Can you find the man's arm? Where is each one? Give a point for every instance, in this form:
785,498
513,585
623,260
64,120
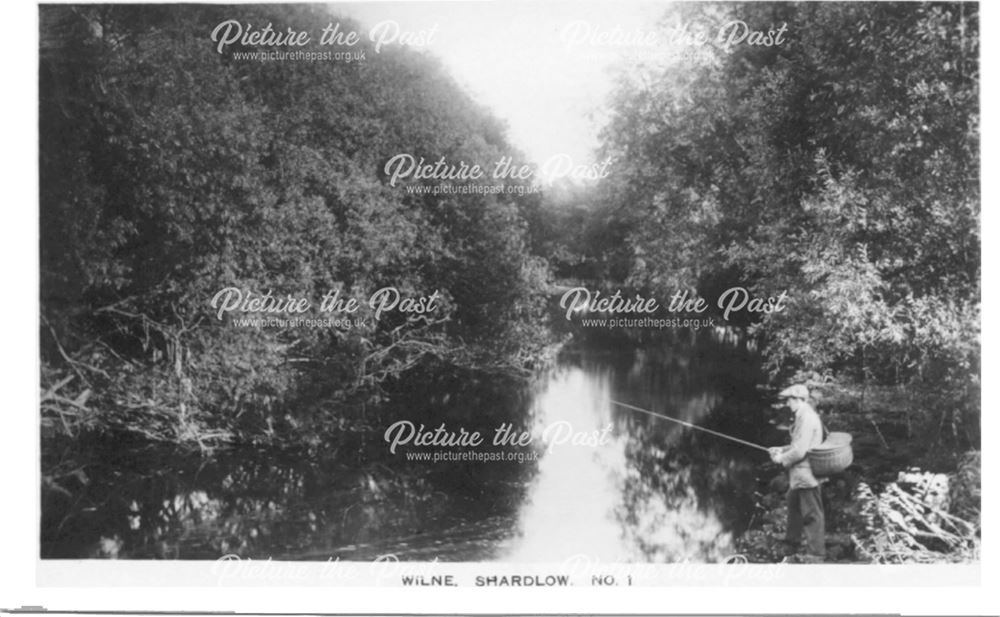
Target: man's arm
801,438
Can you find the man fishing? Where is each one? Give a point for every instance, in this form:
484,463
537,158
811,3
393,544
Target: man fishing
805,502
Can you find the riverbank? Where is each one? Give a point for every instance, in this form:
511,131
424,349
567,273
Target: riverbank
912,494
652,493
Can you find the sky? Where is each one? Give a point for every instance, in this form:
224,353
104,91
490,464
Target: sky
531,63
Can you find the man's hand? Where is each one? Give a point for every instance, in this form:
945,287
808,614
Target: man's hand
775,453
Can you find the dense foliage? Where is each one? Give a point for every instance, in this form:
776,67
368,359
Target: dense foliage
170,171
840,166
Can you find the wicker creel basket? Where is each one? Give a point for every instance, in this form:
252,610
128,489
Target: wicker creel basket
832,456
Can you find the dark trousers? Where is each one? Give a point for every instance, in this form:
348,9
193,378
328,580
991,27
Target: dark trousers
805,512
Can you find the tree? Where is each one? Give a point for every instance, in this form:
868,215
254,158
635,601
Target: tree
841,167
170,171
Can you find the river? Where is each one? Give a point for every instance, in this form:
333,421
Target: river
643,490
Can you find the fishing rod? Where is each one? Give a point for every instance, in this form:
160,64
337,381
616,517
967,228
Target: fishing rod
688,424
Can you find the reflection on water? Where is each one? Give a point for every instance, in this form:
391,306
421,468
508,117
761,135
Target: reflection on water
654,491
573,499
649,491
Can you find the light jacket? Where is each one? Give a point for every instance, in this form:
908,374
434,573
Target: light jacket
807,433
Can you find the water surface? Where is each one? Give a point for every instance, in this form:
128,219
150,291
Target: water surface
651,491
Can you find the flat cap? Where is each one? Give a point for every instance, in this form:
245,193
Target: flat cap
796,391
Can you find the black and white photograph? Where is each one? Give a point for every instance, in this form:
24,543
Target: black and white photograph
509,294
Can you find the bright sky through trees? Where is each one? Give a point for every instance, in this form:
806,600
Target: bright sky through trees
533,68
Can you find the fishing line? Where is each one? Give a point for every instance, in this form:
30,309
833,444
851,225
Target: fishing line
688,424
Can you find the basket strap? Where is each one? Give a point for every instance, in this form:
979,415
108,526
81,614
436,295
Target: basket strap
826,433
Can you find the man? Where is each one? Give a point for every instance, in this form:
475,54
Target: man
805,503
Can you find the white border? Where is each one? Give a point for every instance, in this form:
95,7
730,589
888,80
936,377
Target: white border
19,448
